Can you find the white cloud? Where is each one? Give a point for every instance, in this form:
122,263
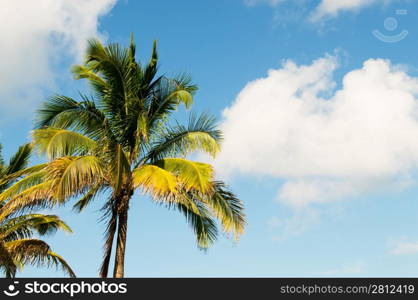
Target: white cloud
33,35
405,247
331,8
325,8
324,144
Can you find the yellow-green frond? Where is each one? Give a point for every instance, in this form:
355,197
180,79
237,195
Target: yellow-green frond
19,186
191,175
40,195
75,174
183,96
83,72
60,142
14,176
202,141
155,180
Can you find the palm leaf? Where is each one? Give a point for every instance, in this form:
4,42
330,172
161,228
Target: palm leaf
23,226
155,180
37,196
201,222
7,264
6,180
226,207
37,253
89,197
19,160
60,142
201,134
26,182
66,113
55,259
72,175
192,175
169,94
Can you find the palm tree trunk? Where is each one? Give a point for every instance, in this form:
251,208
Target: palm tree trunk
119,268
123,207
110,235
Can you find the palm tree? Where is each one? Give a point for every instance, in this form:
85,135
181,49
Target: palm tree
17,245
122,139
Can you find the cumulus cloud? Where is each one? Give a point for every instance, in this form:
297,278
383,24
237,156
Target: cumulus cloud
325,143
33,35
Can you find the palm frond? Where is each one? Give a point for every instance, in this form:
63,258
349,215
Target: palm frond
37,196
83,72
7,264
8,179
112,63
72,175
89,196
226,207
61,142
66,113
37,253
201,134
201,222
19,160
21,185
51,110
23,226
192,175
155,180
167,97
152,67
59,262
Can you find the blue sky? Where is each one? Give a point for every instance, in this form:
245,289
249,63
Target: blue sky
329,183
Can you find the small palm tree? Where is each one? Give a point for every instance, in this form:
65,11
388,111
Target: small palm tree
121,140
17,245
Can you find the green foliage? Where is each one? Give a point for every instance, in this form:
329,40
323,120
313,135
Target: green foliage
120,139
17,245
56,143
192,175
200,134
